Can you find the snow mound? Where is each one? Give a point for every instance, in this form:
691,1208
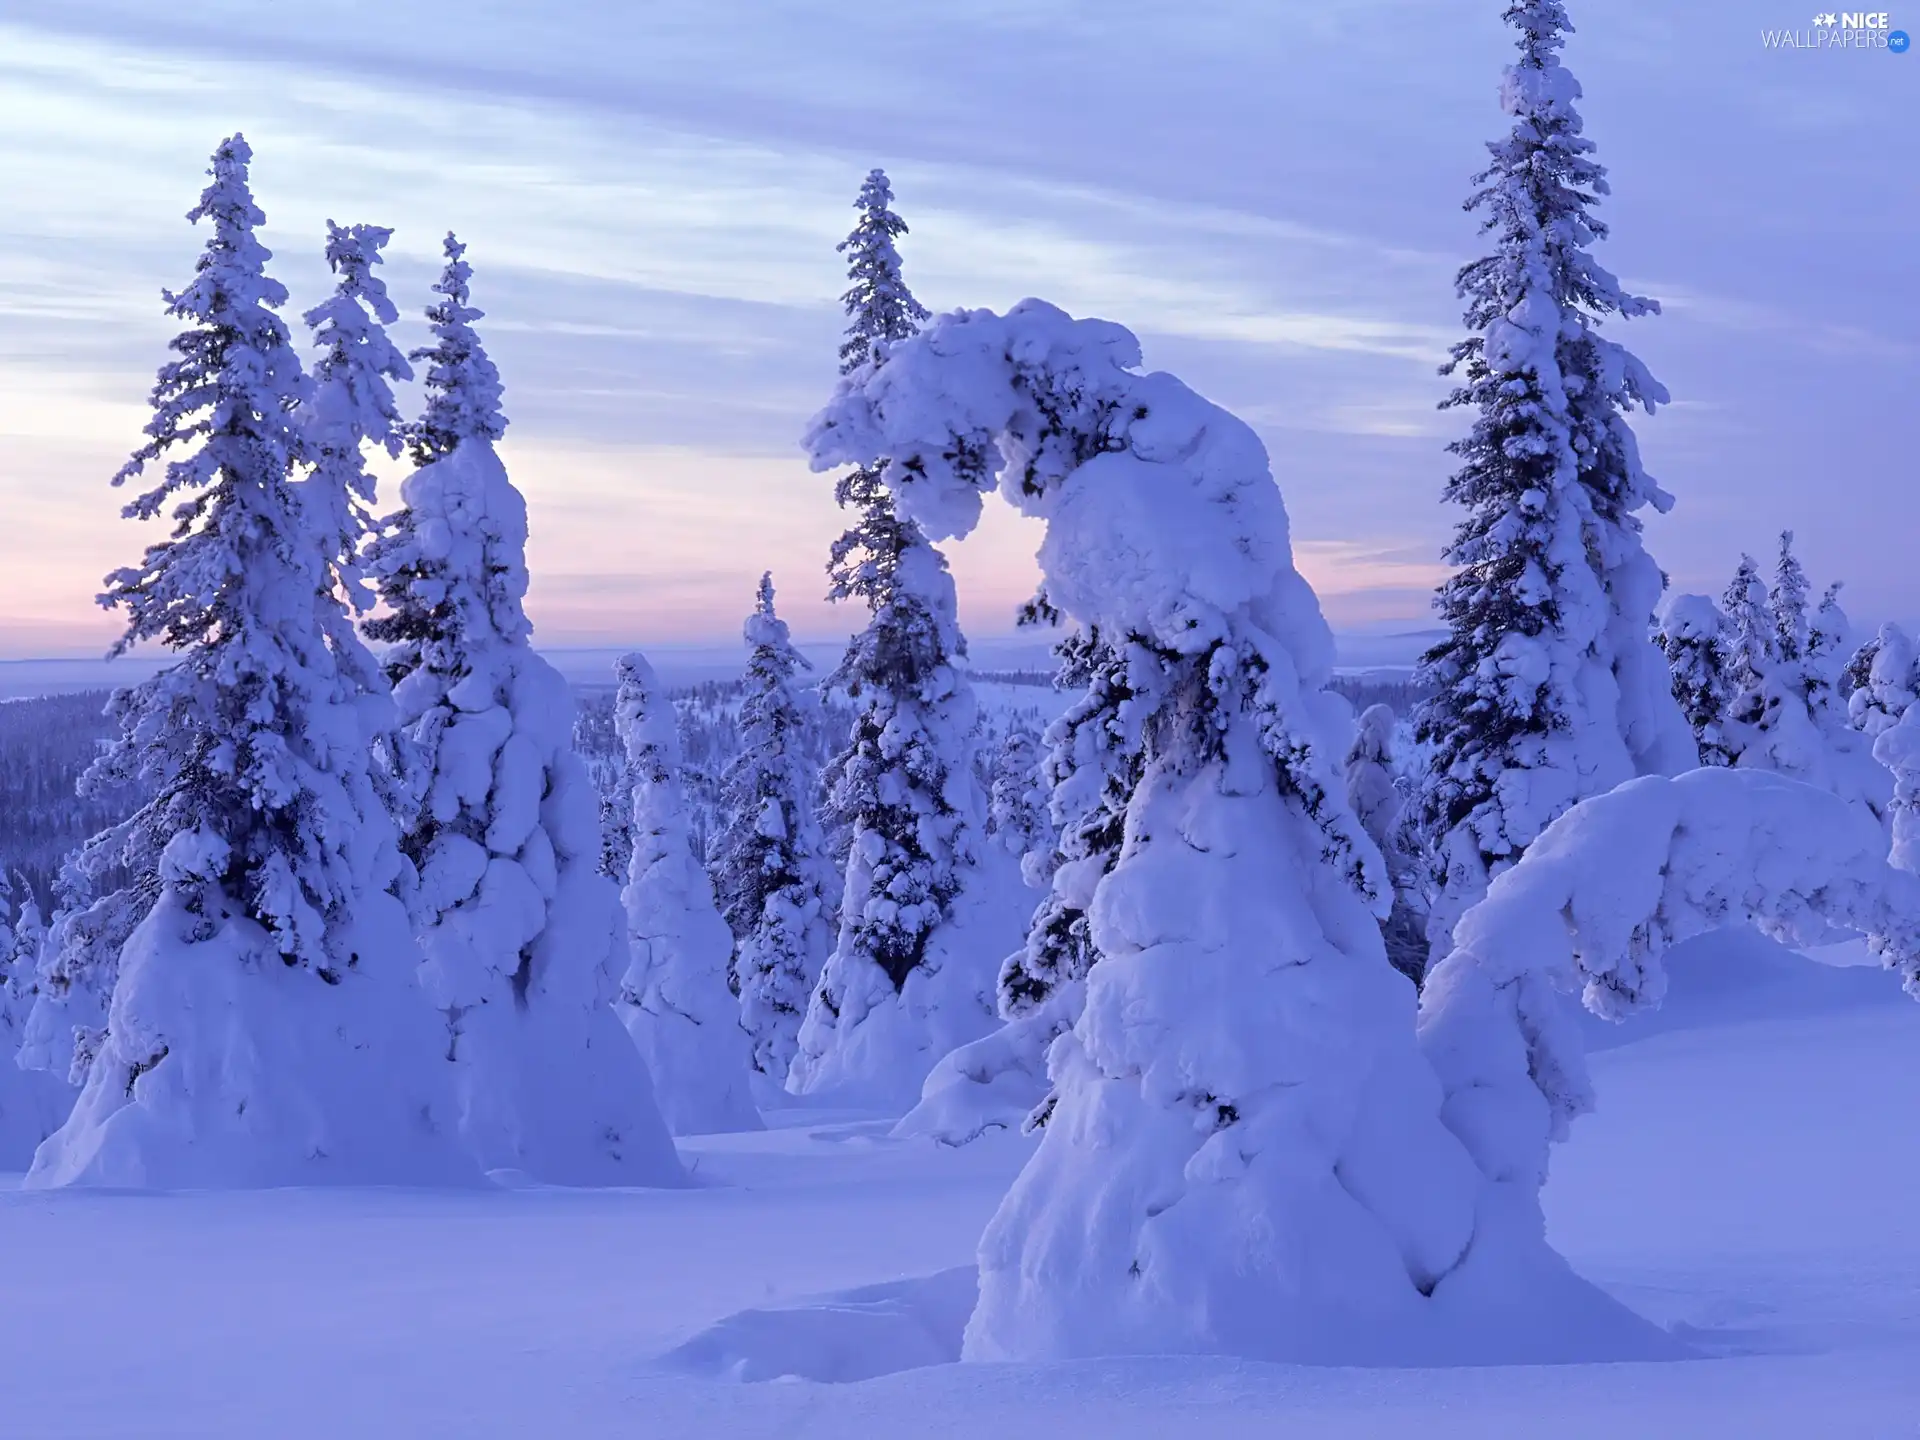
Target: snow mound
994,1083
840,1338
217,1070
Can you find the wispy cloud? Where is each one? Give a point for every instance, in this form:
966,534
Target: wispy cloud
653,193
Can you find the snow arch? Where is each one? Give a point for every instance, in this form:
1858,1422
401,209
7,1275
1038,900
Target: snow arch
1593,906
1247,1155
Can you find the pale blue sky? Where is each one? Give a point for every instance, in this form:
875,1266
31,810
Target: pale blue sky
1267,192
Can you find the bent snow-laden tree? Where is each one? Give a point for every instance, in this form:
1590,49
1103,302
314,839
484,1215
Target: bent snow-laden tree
522,934
265,1026
1592,908
767,857
1245,1153
1547,688
674,997
910,974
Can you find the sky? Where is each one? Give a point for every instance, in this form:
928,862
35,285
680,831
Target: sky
1268,193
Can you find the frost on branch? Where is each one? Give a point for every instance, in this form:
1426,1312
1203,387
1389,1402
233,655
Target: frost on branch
1246,1154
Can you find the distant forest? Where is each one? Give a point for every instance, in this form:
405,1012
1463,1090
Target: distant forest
45,744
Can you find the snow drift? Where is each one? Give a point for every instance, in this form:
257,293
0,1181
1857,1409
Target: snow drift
214,1072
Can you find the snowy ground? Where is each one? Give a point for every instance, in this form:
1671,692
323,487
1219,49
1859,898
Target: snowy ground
1750,1181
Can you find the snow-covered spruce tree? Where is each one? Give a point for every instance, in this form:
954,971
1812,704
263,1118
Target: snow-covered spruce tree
1898,749
522,935
29,935
1751,645
16,980
1095,753
902,986
463,385
1883,680
1784,714
32,1103
67,1022
353,404
1828,634
766,852
675,999
1092,764
598,744
1017,801
265,1027
1857,777
1246,1155
23,932
1547,687
1692,635
1374,792
1371,791
1810,641
353,407
1787,600
881,308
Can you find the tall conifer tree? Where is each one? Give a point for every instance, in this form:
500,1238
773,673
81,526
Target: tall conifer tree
274,962
767,855
524,940
1547,688
904,789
